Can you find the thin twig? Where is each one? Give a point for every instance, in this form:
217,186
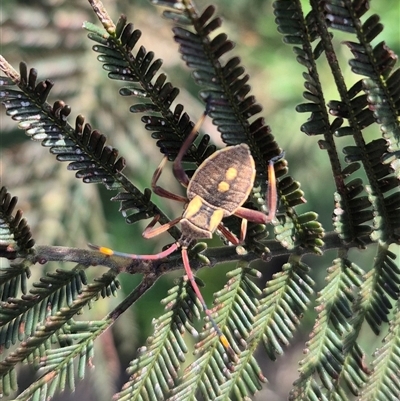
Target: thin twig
103,16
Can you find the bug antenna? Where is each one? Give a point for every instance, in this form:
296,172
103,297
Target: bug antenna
222,338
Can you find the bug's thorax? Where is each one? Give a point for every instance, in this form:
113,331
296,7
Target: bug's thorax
200,219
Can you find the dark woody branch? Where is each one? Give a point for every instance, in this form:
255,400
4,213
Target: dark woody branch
216,255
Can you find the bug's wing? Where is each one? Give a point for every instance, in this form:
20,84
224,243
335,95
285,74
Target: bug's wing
225,179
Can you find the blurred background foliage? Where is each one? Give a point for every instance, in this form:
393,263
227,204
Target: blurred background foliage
48,35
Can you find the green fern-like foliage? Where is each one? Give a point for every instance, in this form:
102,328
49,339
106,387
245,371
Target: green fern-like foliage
40,326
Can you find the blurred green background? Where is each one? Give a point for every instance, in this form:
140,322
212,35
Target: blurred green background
61,210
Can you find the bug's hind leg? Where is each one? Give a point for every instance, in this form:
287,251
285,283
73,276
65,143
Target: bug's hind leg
109,252
149,232
222,338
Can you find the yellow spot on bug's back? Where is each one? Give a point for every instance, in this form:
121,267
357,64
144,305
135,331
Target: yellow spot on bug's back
223,186
193,207
216,218
231,173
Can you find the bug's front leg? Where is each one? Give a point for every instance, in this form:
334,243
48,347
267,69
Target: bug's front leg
177,168
161,191
151,232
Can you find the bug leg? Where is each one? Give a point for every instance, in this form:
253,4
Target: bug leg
232,237
243,231
177,168
228,235
109,252
149,232
256,216
161,191
222,338
272,200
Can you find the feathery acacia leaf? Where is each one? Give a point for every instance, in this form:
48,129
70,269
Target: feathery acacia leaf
366,211
234,308
379,104
380,284
290,14
56,366
225,88
54,291
385,366
170,128
386,110
84,148
373,306
15,235
156,369
283,302
14,230
325,353
43,335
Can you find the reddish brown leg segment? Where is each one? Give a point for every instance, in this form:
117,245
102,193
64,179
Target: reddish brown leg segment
157,256
243,231
256,216
228,235
221,336
151,232
177,168
161,191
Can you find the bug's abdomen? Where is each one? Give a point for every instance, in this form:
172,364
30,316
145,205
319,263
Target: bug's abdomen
225,179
